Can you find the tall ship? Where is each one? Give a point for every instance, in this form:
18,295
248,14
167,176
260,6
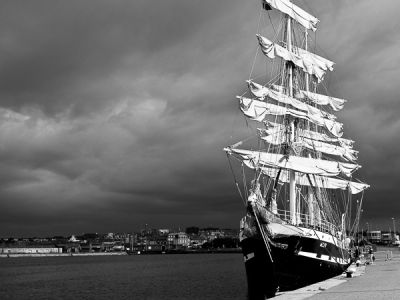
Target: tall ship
295,171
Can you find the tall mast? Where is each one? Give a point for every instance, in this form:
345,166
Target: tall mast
313,209
306,48
310,192
292,174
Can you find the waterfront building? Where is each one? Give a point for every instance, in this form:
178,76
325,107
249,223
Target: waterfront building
178,239
375,236
387,238
30,250
70,247
196,241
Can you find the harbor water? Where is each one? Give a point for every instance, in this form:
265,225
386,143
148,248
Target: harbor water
174,276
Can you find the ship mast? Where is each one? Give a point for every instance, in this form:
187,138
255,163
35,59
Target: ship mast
292,174
310,192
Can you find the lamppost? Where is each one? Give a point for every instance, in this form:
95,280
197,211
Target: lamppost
358,227
394,230
367,231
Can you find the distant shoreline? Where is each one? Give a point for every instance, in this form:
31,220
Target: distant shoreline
150,252
188,251
208,251
14,255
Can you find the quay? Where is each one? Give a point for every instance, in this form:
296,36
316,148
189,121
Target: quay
379,280
16,255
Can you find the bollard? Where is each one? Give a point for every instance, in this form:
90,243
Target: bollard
350,271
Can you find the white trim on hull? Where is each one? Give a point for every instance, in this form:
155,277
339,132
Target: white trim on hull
311,255
326,258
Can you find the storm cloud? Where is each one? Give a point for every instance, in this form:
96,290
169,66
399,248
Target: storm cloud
114,114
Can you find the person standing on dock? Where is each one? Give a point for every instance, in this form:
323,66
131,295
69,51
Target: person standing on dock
356,253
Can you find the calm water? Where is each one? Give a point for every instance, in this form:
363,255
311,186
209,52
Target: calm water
180,276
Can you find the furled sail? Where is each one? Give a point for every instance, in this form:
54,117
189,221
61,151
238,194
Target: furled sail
295,12
258,111
261,92
324,63
278,138
308,63
335,103
317,136
327,148
319,181
305,165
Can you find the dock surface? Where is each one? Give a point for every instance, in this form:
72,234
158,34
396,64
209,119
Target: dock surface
380,280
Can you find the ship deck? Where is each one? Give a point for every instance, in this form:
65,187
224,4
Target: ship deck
379,280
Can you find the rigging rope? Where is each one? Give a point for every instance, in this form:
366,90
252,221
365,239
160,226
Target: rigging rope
264,236
234,178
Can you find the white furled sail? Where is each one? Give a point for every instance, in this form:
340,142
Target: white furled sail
307,63
261,92
317,136
258,111
295,12
320,181
341,151
336,103
322,62
305,165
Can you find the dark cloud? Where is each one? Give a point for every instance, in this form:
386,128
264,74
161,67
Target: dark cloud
60,55
114,115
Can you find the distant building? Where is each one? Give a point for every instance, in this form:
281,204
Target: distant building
396,240
73,239
118,248
375,236
178,239
107,246
386,238
69,247
196,241
214,234
30,250
90,247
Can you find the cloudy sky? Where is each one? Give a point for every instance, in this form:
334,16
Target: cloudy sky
113,114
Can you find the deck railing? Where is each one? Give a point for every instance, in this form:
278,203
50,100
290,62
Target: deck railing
306,220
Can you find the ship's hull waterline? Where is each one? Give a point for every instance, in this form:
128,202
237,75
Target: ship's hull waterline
296,262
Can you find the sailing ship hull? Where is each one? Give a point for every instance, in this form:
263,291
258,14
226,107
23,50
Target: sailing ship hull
296,261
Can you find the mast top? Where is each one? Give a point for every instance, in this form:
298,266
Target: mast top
296,13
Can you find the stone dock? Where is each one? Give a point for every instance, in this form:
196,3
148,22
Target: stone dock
379,280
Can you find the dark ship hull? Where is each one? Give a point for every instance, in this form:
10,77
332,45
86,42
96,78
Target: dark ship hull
291,262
